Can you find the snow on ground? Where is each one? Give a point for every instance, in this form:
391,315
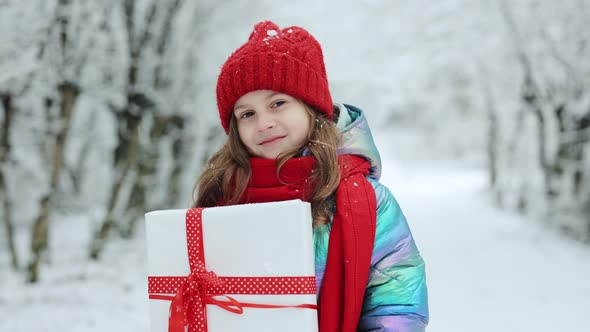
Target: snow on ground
76,294
488,270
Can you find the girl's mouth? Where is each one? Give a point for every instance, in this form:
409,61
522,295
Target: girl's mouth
272,140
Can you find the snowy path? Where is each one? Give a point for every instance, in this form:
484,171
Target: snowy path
488,270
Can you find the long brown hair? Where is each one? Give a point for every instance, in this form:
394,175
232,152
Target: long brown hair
226,175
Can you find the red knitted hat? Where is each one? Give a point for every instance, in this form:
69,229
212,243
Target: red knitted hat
288,61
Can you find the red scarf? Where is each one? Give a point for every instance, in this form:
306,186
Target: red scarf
351,236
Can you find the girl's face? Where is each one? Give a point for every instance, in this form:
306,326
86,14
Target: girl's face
270,123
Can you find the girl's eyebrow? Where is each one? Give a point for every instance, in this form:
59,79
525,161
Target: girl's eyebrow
267,98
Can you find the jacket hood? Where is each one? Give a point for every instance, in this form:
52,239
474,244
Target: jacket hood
357,138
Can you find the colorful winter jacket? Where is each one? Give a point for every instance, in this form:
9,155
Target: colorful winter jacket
396,296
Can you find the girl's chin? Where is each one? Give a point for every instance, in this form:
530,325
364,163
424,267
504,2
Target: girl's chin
269,154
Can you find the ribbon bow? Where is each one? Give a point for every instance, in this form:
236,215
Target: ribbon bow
198,290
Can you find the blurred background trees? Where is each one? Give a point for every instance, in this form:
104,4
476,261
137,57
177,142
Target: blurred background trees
108,109
96,98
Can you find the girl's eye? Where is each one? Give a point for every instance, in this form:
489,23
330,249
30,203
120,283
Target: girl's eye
246,114
278,103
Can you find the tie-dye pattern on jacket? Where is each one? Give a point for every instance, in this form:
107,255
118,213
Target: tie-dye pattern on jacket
396,297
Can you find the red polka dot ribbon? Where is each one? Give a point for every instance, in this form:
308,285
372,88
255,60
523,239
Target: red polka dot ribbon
191,294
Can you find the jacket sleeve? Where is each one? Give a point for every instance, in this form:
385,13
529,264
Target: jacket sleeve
396,297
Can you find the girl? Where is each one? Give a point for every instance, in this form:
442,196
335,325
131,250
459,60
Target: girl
286,140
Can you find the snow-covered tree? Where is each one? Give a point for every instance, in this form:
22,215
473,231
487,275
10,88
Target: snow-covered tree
545,158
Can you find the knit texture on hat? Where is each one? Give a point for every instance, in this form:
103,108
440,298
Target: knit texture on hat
289,61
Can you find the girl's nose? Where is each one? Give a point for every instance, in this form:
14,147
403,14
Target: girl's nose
264,122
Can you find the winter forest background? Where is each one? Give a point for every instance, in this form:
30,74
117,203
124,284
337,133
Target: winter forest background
481,110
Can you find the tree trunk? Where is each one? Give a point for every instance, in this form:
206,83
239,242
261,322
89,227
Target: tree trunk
40,232
492,142
129,119
145,162
136,202
530,96
5,201
180,161
581,174
125,165
147,167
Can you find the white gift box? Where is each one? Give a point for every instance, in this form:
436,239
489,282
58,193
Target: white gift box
250,240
